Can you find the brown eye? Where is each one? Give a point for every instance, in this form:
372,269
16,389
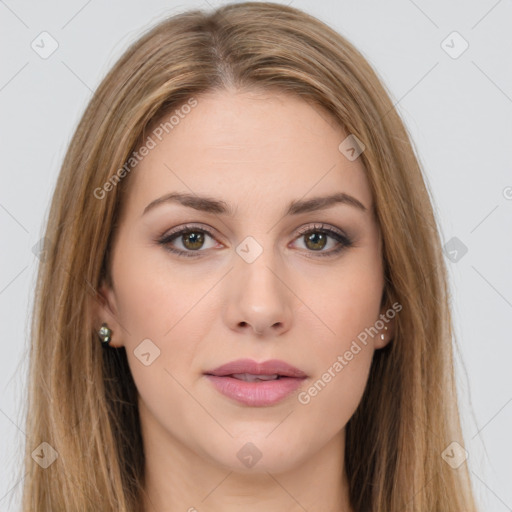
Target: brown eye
316,241
317,237
193,240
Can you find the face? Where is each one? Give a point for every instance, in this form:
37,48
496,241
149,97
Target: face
255,271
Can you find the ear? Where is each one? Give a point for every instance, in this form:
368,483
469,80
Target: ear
388,318
104,310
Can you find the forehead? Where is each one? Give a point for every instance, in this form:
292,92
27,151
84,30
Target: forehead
252,149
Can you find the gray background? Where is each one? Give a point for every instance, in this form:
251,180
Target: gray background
458,111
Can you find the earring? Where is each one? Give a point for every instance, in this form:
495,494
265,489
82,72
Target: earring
382,334
105,335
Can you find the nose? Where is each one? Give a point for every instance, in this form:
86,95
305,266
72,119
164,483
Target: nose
258,298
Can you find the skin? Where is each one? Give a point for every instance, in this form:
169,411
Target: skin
257,151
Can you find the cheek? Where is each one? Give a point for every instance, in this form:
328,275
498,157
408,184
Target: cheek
346,302
342,358
348,308
155,298
157,308
332,396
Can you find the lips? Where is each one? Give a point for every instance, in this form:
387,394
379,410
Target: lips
270,368
256,384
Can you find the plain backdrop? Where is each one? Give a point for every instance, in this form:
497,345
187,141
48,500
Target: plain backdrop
447,66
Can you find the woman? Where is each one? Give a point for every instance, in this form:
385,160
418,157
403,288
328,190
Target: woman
244,300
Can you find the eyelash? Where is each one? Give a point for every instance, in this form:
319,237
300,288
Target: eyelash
343,240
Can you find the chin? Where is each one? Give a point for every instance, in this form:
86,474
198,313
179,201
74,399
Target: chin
257,454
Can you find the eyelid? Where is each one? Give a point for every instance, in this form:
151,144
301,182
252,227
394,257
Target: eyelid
321,226
300,231
188,227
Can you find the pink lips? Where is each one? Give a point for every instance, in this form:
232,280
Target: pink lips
239,380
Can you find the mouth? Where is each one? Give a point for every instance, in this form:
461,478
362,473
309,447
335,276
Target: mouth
256,384
250,377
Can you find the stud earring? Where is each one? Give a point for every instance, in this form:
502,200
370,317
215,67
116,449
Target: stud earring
382,334
105,335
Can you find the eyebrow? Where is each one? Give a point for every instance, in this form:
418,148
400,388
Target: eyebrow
216,206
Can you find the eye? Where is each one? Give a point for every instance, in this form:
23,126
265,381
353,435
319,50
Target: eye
191,238
316,238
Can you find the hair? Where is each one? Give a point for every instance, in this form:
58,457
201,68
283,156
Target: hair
81,398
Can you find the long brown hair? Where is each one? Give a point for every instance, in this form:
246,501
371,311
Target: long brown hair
82,399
